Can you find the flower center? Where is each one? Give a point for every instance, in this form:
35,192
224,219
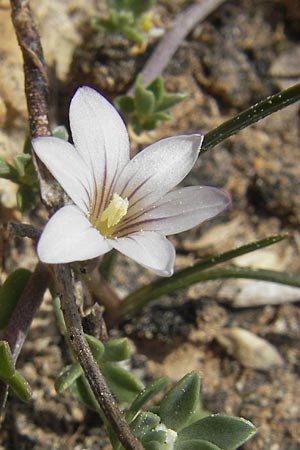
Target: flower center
112,215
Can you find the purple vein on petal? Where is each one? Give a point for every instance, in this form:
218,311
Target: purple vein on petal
99,202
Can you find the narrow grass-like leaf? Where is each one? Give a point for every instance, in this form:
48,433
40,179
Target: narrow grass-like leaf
108,263
251,115
10,293
186,277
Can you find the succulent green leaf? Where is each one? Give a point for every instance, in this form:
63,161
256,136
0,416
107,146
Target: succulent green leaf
123,384
195,444
61,132
10,293
143,397
7,367
125,104
116,350
8,172
149,124
26,198
144,100
158,436
132,34
157,87
136,125
21,162
144,424
139,7
181,402
226,432
169,100
96,346
82,392
20,386
152,445
67,377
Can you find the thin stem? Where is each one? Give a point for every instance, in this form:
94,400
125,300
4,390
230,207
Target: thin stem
87,362
184,24
19,323
103,293
22,230
36,90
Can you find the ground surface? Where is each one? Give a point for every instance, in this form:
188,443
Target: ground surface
244,52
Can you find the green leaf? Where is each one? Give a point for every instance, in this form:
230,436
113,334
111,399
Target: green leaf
8,172
144,423
226,432
61,132
26,198
136,125
158,436
82,392
116,350
20,386
125,104
123,384
143,397
157,87
7,366
67,377
191,275
144,100
153,445
139,7
96,346
21,162
195,444
251,115
10,293
181,402
107,264
169,100
132,34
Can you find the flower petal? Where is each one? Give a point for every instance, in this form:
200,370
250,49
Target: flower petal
180,210
67,167
157,169
101,138
69,236
151,250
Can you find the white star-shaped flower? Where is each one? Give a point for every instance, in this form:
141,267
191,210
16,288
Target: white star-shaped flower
120,203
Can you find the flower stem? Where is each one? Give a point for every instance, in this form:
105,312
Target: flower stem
91,369
36,89
19,323
184,24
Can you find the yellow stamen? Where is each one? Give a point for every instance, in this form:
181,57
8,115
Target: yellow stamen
112,215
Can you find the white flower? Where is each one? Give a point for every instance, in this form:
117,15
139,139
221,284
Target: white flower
120,203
